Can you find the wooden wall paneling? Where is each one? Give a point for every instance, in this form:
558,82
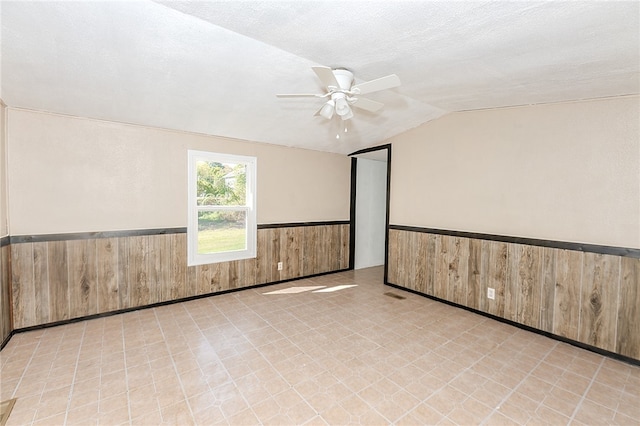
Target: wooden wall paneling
124,281
345,236
263,257
159,262
291,252
458,258
41,283
392,260
178,268
236,272
311,249
548,287
441,280
407,255
599,300
628,321
475,285
191,288
404,258
83,294
139,270
22,288
249,276
566,312
58,280
511,285
329,257
529,285
107,280
323,249
430,264
419,261
497,274
203,278
6,308
219,276
275,235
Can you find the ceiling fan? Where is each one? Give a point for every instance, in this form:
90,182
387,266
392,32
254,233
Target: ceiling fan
343,94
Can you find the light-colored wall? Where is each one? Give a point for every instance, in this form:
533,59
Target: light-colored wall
72,174
565,172
4,229
371,212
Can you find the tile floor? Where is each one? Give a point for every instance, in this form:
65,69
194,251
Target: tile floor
352,356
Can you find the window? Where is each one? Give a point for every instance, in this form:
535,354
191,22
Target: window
222,207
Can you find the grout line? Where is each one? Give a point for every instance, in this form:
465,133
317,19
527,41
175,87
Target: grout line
124,356
75,372
586,391
497,409
173,363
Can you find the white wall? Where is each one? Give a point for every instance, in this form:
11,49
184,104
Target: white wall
565,172
69,174
371,197
4,229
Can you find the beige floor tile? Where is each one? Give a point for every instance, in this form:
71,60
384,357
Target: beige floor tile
353,356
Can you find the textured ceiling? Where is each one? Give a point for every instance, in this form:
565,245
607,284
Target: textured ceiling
214,67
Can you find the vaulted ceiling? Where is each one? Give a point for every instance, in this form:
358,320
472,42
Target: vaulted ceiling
214,67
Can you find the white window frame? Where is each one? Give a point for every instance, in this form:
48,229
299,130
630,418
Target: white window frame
193,257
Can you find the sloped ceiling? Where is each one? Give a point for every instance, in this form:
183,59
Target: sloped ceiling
214,67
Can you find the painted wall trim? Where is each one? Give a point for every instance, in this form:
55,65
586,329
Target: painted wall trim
18,239
565,245
352,213
524,327
155,305
297,224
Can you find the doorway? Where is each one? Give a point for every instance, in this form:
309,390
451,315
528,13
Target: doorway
370,183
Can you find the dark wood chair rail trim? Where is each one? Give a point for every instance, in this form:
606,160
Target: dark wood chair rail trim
590,248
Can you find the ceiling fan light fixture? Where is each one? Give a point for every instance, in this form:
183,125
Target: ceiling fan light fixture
343,109
327,109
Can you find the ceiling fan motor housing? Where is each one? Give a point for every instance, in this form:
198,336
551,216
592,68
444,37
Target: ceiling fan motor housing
344,78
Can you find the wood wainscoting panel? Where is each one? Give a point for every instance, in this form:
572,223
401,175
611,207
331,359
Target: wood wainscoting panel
582,295
22,287
476,286
313,237
441,280
566,316
419,265
124,285
600,288
548,289
497,270
107,260
41,282
528,285
345,231
82,265
159,278
6,314
394,257
58,281
178,266
458,267
628,330
203,278
263,256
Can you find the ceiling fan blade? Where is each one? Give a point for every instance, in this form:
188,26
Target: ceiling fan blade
368,105
325,74
381,83
300,95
